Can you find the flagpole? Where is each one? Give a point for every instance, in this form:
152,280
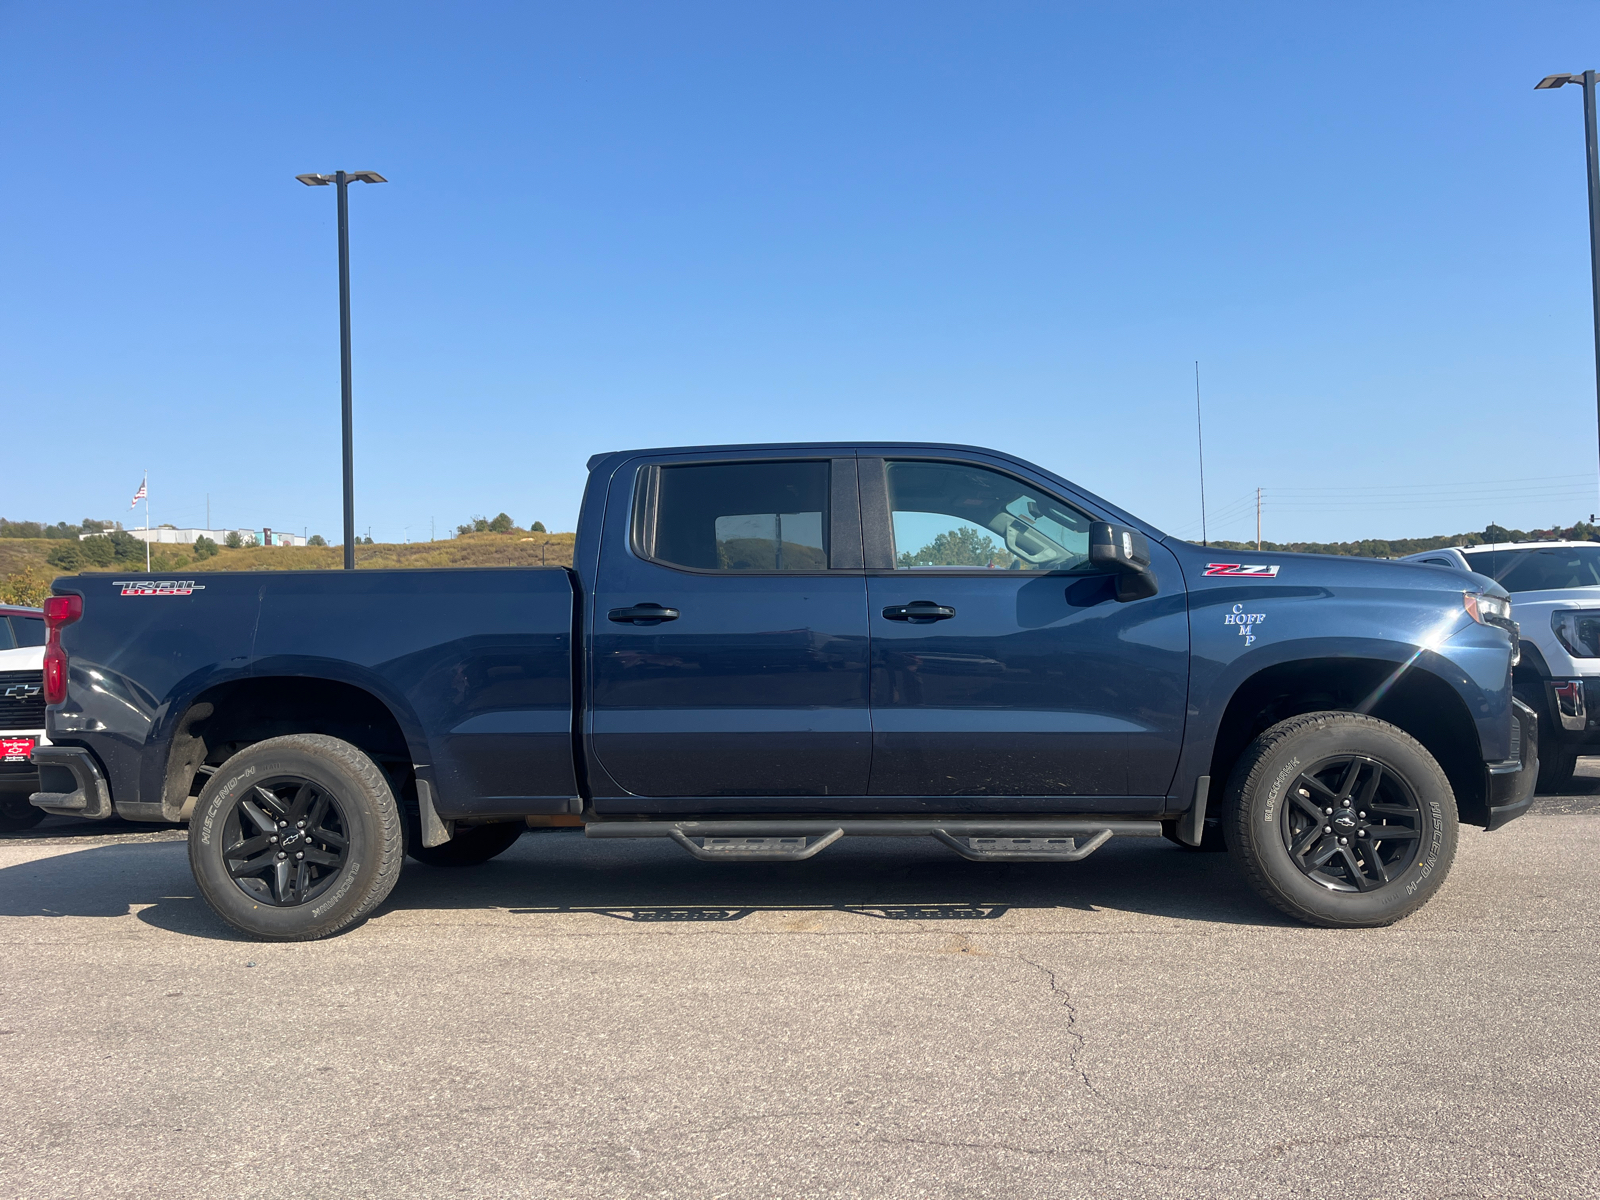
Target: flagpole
147,522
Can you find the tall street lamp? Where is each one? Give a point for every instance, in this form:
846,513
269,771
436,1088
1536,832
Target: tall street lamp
342,181
1586,81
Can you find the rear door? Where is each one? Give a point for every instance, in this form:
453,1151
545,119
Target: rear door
729,645
1004,675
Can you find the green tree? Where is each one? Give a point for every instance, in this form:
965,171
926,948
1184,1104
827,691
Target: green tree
98,551
538,527
205,548
501,524
963,547
233,541
316,539
68,556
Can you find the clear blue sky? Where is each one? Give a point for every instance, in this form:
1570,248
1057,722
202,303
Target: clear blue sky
614,225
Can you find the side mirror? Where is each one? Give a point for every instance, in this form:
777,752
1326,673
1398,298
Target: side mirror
1123,552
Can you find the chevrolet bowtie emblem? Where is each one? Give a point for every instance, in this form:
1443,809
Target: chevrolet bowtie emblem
21,691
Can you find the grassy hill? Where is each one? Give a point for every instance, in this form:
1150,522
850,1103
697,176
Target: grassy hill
25,572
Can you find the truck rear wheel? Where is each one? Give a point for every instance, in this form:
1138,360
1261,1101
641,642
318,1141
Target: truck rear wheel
295,838
469,847
1341,820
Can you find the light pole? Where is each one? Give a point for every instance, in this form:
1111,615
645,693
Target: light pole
342,181
1586,81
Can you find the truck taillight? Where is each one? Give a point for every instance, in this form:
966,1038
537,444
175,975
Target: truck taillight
58,611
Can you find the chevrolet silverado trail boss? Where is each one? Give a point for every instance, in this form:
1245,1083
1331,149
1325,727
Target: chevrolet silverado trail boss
762,649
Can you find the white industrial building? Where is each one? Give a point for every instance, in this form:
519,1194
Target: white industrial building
168,536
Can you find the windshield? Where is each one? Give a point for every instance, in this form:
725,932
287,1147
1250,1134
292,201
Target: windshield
1540,570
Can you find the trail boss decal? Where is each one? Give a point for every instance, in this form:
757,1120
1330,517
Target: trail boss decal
1246,622
163,587
1243,569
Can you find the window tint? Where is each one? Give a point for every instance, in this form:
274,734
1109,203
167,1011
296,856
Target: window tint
7,641
1540,570
770,516
28,631
950,515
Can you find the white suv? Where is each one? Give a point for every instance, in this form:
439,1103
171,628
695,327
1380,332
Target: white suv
21,713
1555,598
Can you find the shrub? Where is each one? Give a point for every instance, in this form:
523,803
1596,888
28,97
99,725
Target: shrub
205,548
538,527
316,539
26,587
501,524
233,541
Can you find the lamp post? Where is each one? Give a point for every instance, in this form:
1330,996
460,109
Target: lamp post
342,181
1586,80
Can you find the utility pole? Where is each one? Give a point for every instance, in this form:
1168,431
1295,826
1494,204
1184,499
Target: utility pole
1587,80
341,181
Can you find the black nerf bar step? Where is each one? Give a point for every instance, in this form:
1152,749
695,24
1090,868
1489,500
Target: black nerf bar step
790,841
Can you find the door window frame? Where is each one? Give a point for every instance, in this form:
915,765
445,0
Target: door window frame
844,514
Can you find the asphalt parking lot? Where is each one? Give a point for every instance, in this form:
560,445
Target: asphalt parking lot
618,1020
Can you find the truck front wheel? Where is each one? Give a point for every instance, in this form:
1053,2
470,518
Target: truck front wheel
295,838
1341,820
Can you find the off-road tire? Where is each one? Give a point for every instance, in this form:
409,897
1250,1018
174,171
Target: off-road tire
370,821
1255,820
1556,768
470,847
16,814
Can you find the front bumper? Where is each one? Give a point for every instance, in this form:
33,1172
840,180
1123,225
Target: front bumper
1511,782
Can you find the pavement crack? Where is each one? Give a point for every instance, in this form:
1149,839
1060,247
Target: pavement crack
1077,1041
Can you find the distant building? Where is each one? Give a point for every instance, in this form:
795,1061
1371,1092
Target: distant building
168,536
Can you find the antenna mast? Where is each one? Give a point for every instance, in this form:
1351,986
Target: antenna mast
1200,438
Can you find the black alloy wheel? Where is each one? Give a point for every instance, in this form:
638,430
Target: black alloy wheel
285,841
1352,826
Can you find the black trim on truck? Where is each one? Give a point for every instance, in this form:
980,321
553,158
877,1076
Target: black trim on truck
1511,782
71,783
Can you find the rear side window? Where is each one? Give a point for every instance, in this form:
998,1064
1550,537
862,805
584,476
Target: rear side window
28,631
763,516
7,640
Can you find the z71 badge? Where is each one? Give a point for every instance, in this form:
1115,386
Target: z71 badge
162,587
1243,569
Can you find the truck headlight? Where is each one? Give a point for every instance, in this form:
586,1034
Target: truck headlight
1578,629
1487,610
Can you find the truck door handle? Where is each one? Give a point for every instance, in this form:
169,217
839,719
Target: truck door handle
642,614
919,612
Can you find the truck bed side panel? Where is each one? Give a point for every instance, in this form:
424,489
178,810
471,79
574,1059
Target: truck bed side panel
478,664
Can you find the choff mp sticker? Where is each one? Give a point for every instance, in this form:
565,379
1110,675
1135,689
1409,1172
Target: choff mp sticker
1259,570
161,587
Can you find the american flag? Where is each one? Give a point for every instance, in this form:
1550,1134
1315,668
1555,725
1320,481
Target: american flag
140,494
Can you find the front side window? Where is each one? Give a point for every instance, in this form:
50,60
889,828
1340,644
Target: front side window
954,516
763,516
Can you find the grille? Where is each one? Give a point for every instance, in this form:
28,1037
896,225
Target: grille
21,699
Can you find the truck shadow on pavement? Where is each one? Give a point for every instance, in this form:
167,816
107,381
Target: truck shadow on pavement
559,871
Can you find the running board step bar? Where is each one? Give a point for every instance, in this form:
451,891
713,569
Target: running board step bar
791,841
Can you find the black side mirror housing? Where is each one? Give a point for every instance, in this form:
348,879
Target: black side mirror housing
1123,552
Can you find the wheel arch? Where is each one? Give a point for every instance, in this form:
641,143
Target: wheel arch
222,719
1413,699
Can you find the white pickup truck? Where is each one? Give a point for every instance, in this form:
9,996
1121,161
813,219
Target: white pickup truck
22,638
1555,589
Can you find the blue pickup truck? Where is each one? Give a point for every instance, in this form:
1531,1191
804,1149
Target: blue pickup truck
762,649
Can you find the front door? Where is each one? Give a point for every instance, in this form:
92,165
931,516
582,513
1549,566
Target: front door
730,639
1001,669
